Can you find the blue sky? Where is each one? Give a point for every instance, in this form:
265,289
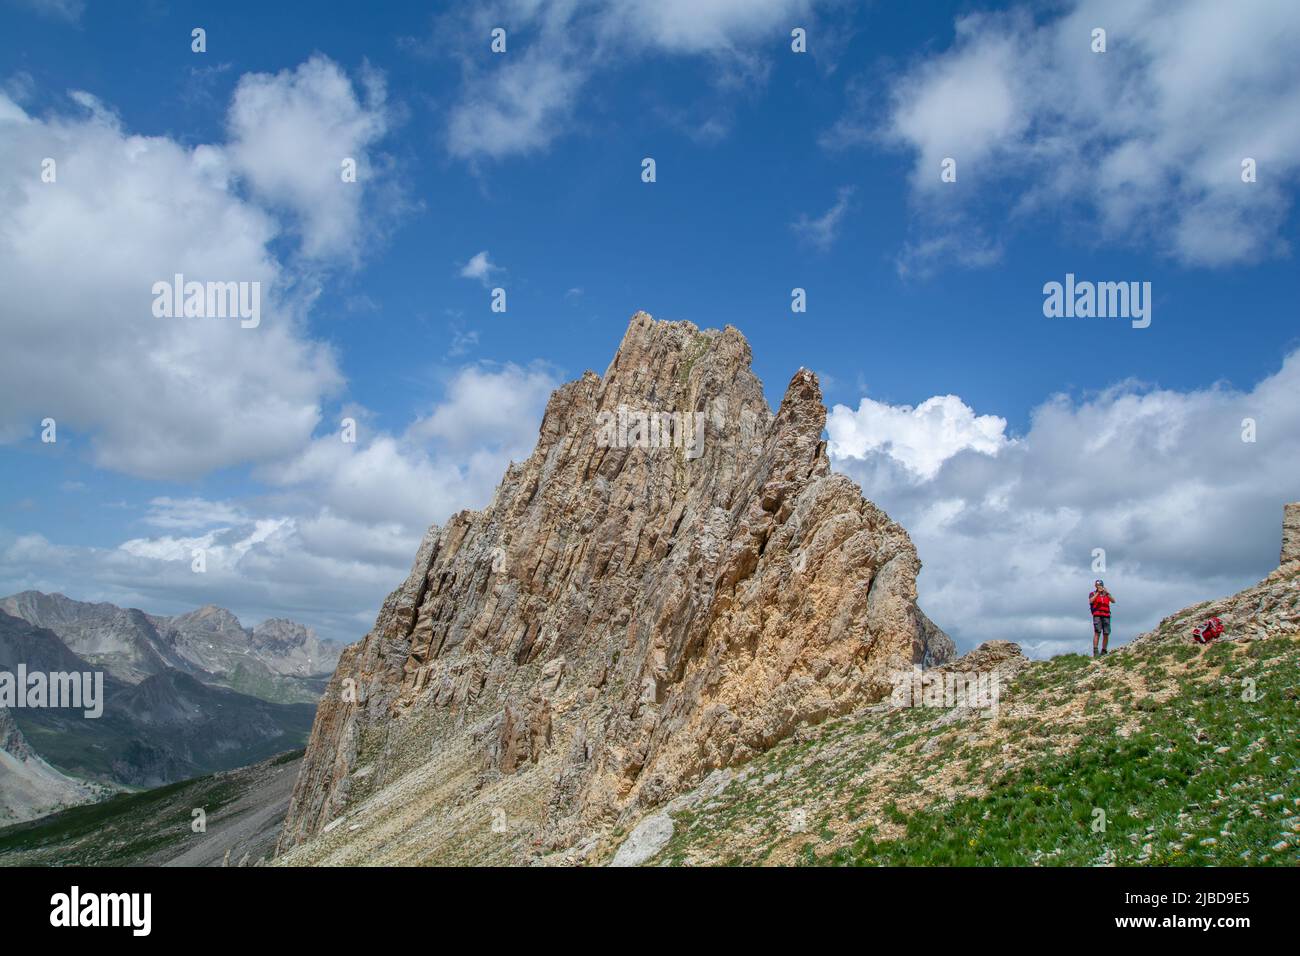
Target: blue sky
1042,438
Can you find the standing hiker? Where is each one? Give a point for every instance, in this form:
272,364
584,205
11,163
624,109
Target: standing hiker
1100,601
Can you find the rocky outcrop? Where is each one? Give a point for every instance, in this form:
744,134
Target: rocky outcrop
933,646
1004,658
11,738
1291,532
30,787
1269,608
672,582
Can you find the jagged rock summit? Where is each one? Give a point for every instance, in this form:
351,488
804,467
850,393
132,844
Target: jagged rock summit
673,582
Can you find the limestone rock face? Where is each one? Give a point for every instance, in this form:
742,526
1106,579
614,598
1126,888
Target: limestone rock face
673,582
1291,532
11,738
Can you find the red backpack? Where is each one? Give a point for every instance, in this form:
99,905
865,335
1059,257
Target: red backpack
1208,631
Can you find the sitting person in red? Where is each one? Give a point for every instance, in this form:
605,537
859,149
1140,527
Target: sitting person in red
1100,601
1208,632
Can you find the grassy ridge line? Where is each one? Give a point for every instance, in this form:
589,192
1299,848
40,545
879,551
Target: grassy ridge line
1158,737
1209,780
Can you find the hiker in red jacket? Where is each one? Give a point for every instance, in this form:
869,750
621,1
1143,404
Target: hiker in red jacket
1100,601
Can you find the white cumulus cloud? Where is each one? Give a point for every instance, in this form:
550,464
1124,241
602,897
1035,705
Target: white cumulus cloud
79,256
1007,530
1145,140
290,134
920,438
520,101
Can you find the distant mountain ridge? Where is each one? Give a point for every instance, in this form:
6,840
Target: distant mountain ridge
183,695
167,727
278,660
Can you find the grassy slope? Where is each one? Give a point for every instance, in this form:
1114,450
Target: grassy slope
129,829
1158,736
277,689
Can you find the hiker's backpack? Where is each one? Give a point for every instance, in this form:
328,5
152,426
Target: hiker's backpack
1208,631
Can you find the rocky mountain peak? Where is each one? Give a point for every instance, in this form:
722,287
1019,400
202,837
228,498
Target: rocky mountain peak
281,632
273,660
209,617
671,583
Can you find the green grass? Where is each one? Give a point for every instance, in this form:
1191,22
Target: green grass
261,683
1169,797
122,828
1165,788
698,347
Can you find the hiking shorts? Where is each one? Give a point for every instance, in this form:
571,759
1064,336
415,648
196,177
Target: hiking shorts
1101,624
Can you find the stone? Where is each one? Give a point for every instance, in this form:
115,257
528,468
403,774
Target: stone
1267,608
1291,532
648,837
